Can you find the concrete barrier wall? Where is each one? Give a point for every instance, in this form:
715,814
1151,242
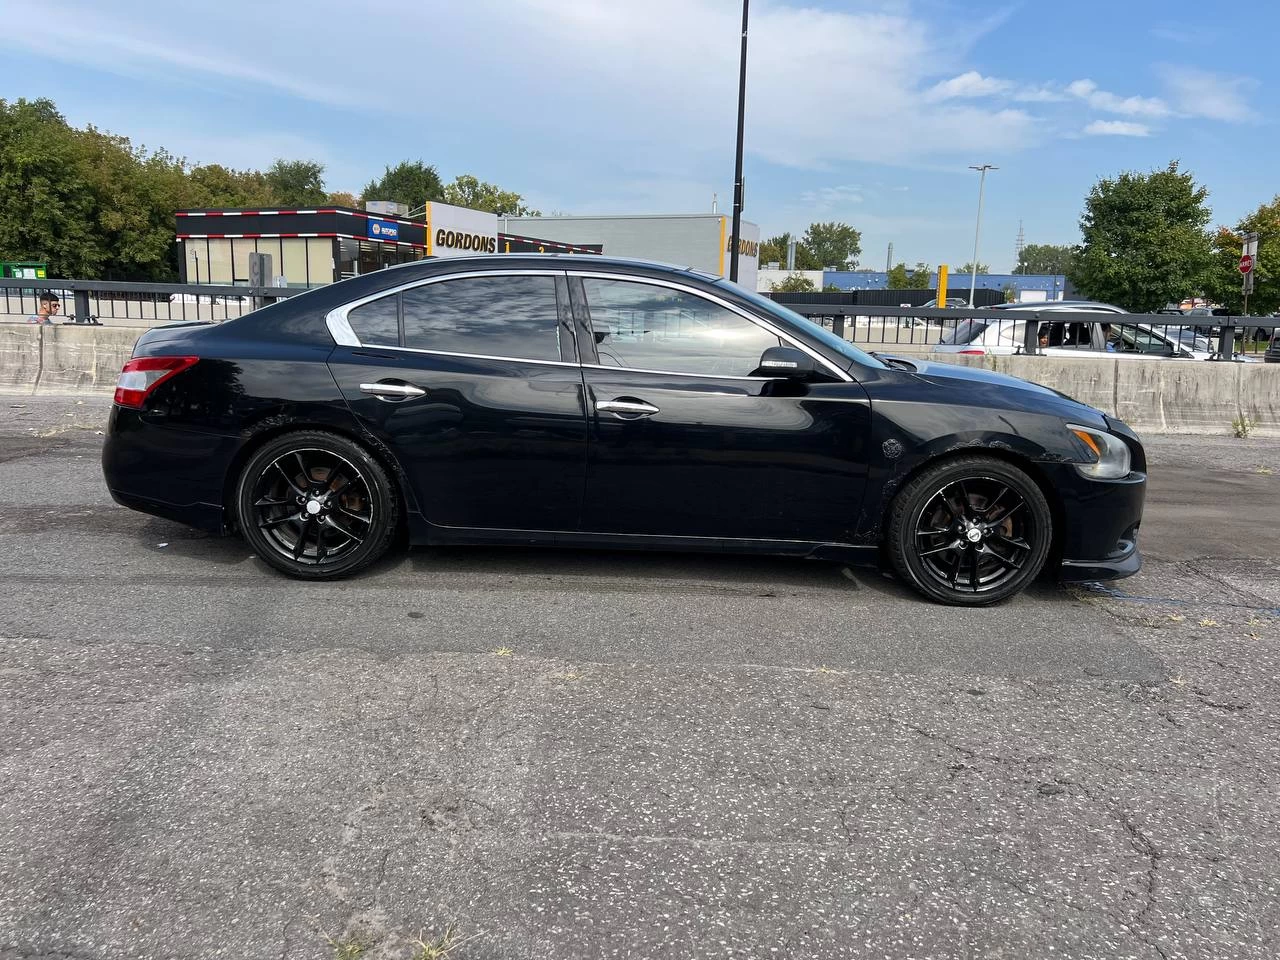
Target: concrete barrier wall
1157,396
19,357
62,359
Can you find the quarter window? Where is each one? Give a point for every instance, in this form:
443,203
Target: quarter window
493,316
376,322
649,327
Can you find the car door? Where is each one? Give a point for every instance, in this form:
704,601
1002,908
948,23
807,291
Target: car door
1131,342
686,439
473,383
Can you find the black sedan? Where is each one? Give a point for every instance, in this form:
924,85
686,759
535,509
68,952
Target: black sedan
573,401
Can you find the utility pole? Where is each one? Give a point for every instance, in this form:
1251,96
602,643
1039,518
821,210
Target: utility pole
1019,247
737,166
977,230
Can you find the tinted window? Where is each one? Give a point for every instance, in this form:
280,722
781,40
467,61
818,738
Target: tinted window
656,328
376,322
966,331
494,316
1126,338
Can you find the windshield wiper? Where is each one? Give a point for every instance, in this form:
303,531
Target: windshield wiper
892,361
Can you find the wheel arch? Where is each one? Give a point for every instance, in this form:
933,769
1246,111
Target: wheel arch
1012,457
266,434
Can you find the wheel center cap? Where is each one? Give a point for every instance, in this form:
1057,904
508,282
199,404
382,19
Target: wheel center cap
973,534
313,507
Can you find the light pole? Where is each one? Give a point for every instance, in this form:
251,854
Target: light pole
977,230
737,167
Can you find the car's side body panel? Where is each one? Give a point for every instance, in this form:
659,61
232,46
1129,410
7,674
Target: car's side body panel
498,450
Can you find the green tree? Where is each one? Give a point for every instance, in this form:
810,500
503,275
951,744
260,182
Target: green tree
1225,282
775,250
833,245
410,182
793,283
967,269
1044,258
297,183
342,198
1144,241
47,206
899,278
922,276
469,191
213,185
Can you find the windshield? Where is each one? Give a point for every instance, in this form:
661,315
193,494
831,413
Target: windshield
816,330
966,331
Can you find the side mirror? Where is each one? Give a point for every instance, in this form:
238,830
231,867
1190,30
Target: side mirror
784,363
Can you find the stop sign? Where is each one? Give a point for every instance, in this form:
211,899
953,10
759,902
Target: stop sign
1246,263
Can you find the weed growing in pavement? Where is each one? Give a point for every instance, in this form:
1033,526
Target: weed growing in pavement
504,652
439,948
348,948
1265,471
1176,617
1206,622
1241,427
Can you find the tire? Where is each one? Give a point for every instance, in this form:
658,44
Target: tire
316,506
970,509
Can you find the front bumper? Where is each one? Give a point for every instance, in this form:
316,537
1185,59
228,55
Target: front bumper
1099,523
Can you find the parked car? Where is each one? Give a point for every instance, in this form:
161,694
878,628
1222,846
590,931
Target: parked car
1273,348
547,400
1108,337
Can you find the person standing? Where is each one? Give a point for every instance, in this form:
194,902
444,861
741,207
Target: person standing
47,308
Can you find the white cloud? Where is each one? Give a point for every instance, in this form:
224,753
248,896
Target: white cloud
1117,128
826,198
1088,91
1039,95
967,85
616,80
1199,93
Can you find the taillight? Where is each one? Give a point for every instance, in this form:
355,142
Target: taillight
973,353
142,375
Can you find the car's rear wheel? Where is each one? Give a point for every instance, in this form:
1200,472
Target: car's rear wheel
316,506
970,531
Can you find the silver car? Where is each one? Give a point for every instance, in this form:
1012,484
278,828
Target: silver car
1108,337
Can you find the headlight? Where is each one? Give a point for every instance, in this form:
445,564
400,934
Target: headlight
1107,456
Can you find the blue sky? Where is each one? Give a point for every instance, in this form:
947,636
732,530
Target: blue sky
868,112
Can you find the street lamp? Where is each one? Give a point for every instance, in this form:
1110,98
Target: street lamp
737,168
977,230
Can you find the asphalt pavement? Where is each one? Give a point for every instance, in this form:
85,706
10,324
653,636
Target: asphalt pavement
594,754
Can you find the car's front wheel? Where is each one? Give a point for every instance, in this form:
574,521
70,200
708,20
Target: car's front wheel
316,505
970,531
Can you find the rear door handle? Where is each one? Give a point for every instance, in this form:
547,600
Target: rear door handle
626,409
392,391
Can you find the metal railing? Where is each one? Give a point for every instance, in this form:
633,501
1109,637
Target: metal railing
124,303
1030,331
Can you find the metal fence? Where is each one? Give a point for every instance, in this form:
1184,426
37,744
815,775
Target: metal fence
1026,330
133,304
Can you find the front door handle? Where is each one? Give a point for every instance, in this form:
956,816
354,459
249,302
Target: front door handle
626,409
392,391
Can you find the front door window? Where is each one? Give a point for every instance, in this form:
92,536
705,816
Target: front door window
643,326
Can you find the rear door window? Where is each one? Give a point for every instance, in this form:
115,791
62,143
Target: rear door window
514,316
376,322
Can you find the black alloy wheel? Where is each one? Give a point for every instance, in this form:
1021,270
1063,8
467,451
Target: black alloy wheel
970,532
316,506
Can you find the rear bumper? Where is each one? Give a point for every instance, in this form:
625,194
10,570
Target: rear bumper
166,471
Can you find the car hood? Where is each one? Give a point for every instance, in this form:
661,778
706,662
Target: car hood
950,373
957,375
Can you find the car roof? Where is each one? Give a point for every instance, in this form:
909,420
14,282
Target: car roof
1082,305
